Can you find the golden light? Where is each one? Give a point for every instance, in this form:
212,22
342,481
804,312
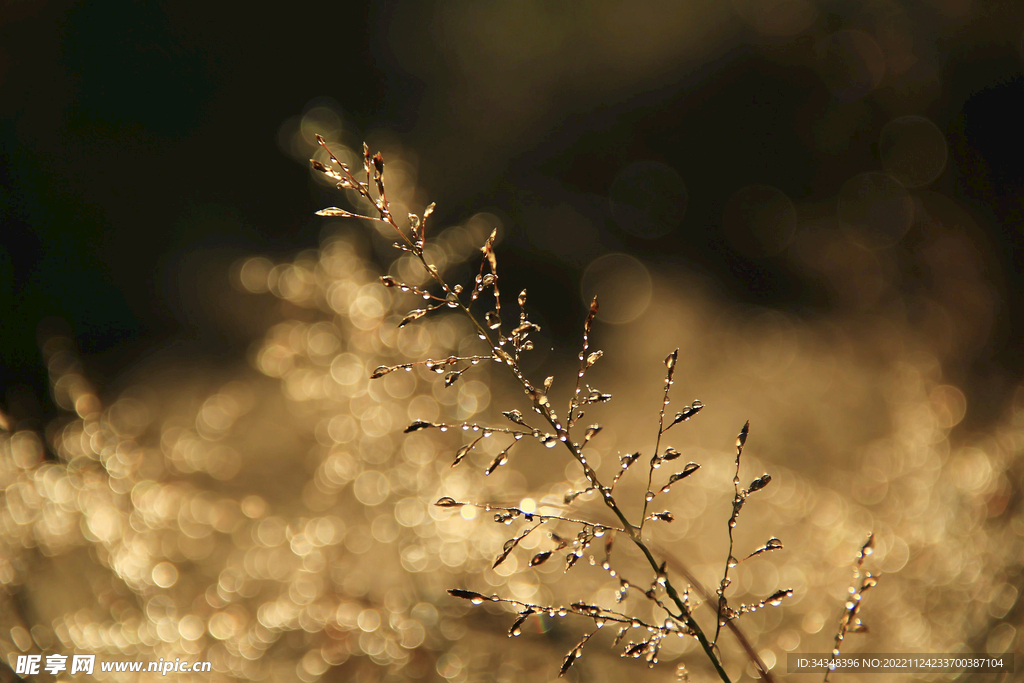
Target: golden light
274,518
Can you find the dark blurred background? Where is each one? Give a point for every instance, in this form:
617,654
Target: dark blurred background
138,139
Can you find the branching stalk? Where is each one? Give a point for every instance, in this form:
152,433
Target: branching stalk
374,167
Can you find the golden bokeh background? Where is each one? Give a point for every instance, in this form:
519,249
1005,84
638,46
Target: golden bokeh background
262,509
273,518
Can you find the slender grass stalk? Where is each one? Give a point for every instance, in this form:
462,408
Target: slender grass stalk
506,350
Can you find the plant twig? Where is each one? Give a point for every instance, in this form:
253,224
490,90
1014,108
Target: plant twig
518,342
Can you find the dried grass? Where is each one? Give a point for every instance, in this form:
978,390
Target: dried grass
273,519
676,612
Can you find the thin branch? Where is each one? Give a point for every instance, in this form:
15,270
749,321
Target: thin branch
538,398
670,363
514,512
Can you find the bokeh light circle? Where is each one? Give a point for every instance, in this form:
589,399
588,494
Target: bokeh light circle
622,286
371,488
759,220
648,199
875,209
165,574
851,63
913,150
322,120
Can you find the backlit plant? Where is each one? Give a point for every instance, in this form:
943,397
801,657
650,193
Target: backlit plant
506,345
